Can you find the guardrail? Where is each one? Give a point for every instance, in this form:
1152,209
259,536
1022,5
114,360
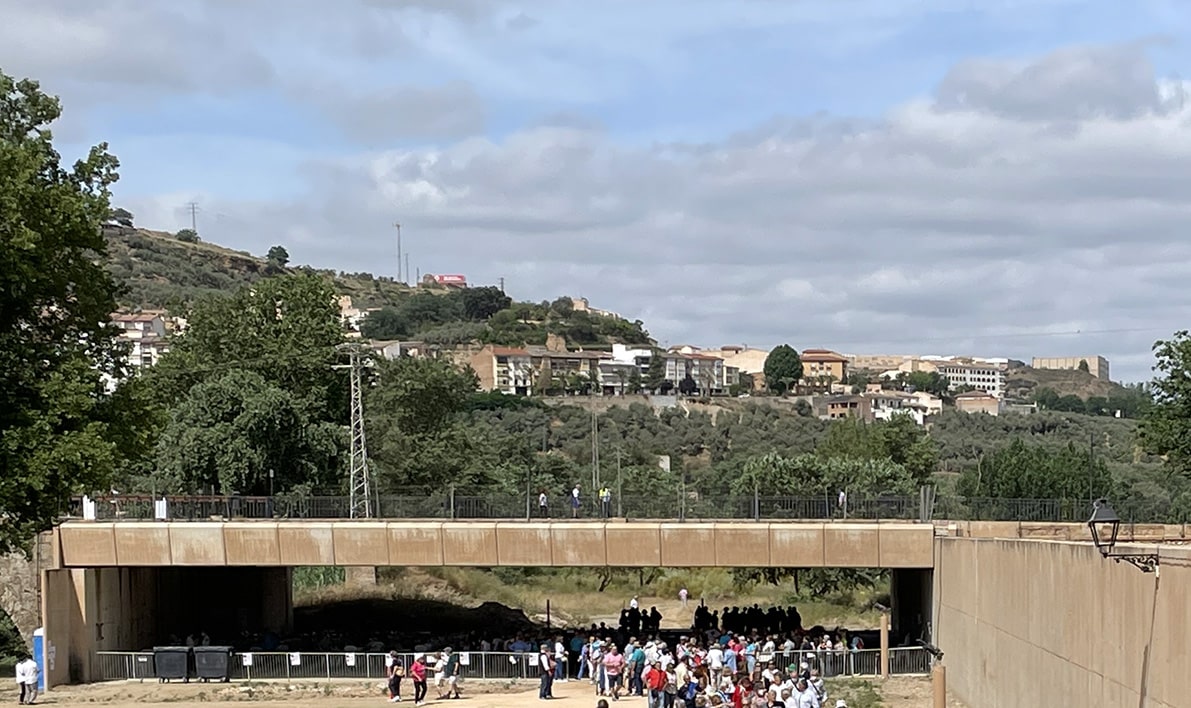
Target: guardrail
499,504
264,666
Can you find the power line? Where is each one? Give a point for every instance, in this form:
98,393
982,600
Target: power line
193,208
960,337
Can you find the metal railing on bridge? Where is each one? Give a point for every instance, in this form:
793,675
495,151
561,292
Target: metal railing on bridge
481,503
327,666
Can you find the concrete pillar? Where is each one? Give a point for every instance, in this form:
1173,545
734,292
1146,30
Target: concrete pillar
883,670
359,575
938,680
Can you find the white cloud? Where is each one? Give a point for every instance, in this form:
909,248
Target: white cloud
1038,194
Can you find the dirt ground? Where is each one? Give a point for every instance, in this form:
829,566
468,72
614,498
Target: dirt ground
898,692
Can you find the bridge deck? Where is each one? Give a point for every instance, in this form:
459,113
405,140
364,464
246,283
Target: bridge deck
86,544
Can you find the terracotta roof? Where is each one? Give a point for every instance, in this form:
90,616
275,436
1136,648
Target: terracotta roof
821,355
574,355
508,351
975,394
134,317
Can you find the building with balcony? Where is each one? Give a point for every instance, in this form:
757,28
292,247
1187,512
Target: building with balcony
506,369
823,366
979,375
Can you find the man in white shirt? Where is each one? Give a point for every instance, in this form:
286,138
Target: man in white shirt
27,676
715,659
560,660
805,696
633,603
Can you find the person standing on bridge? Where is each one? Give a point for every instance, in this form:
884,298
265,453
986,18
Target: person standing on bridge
575,502
606,502
543,502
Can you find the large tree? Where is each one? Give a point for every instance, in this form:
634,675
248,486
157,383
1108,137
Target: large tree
61,431
482,303
285,328
783,368
239,434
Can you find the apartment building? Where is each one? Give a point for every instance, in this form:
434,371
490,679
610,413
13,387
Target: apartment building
820,364
876,404
146,333
1096,365
982,375
710,374
506,369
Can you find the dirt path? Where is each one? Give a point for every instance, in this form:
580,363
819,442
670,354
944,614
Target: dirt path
900,692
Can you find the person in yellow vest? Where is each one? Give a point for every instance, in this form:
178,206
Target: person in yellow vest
606,502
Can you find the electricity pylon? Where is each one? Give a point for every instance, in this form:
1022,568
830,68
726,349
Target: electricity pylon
359,478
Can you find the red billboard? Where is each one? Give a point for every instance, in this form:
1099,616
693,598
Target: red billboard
450,279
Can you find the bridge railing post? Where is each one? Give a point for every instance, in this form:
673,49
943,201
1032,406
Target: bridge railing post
452,501
756,502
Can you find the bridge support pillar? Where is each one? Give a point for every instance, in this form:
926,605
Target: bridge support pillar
884,668
361,576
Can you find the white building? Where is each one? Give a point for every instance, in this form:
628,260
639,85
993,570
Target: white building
987,375
146,332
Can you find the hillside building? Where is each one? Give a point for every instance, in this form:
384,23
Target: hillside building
1097,365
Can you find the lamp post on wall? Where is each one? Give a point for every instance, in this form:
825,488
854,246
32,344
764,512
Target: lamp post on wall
1105,526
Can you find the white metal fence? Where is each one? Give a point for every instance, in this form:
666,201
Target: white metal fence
249,666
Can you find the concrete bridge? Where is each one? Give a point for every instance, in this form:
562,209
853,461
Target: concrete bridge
1028,613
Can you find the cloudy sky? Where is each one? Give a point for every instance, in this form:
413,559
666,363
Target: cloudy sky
910,176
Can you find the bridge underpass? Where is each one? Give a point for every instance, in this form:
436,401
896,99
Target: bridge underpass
117,586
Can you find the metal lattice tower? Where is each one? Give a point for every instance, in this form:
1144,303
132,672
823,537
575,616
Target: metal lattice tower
359,478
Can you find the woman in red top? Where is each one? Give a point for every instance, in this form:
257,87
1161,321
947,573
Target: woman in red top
417,672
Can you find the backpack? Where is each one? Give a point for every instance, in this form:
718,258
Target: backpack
692,689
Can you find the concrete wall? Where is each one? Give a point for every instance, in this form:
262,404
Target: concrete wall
118,609
20,583
1051,623
504,543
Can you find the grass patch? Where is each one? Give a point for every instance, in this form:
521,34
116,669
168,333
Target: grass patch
859,693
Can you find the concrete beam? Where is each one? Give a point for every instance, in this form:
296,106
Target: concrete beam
635,544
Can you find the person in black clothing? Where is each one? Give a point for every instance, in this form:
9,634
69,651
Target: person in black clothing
545,673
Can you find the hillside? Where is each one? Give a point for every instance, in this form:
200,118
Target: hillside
162,271
1023,381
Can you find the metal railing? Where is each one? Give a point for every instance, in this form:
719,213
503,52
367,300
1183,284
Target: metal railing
479,503
267,666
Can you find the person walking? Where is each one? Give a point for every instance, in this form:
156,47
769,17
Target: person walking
396,673
682,596
450,673
417,673
28,674
613,668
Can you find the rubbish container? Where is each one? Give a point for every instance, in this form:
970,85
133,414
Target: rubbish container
213,663
171,663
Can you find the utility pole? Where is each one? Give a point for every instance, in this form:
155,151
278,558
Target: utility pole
193,208
407,267
359,479
398,250
502,285
595,453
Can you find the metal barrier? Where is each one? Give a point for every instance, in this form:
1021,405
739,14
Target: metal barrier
481,503
266,666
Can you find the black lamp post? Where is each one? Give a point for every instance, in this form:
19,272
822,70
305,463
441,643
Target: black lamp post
1105,526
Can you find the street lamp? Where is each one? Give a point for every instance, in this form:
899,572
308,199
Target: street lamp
1105,526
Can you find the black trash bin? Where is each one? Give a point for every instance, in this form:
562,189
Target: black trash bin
171,663
213,663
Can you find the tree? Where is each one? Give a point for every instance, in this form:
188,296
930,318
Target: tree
1166,427
285,328
231,431
1083,366
688,386
278,256
121,216
1023,471
187,235
783,368
61,431
385,323
414,429
930,381
479,304
655,374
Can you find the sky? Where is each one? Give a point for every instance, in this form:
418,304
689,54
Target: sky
994,178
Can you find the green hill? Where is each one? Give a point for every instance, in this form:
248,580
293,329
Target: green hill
162,271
